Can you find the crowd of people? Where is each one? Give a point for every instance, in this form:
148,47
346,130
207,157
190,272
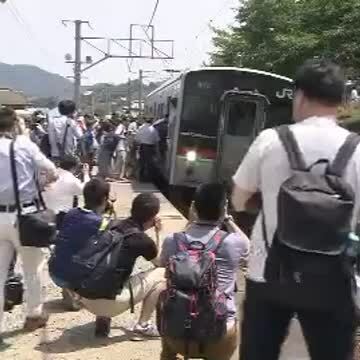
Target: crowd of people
121,146
301,259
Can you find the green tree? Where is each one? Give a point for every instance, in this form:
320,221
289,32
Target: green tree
278,35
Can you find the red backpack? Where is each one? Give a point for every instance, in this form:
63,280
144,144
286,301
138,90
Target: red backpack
192,308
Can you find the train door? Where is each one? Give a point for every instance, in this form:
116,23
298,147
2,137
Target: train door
172,114
242,117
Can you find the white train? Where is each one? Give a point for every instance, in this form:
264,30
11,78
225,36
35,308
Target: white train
214,115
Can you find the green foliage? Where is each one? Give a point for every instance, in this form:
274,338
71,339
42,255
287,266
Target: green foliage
278,35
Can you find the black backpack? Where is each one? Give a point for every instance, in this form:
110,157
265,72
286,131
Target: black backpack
45,146
315,208
97,266
110,142
192,308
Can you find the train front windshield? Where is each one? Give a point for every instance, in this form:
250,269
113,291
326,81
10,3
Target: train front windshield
203,91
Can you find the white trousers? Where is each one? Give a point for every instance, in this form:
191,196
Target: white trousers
33,261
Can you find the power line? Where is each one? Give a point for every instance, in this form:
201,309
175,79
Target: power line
26,26
130,62
154,13
209,22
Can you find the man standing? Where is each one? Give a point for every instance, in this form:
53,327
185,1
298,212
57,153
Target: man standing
319,91
29,162
148,139
120,160
132,150
162,127
64,131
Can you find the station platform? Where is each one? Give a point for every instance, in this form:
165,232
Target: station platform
70,335
124,193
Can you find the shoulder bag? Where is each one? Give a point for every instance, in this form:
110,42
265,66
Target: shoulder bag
36,229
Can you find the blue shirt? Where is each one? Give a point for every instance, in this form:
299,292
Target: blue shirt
228,257
78,227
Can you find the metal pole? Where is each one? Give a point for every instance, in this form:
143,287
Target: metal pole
93,103
108,100
140,90
129,95
77,66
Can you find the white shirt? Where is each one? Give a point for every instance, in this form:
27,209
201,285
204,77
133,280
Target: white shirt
266,167
354,95
59,196
30,161
121,130
147,135
57,128
132,129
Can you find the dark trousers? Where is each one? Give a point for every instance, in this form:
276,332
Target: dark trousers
329,334
11,272
147,163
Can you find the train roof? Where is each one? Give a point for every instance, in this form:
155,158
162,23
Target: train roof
248,70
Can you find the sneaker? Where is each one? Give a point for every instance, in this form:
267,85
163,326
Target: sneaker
102,327
36,322
147,330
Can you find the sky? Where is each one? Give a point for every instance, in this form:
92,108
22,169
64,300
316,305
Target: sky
32,33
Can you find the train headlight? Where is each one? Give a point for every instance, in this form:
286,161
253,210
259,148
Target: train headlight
191,156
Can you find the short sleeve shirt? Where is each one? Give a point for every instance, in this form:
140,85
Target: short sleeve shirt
135,245
228,257
59,196
266,167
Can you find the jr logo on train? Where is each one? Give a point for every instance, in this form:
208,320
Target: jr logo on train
214,115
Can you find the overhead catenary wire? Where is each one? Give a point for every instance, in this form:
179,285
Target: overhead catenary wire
130,63
29,33
153,14
219,11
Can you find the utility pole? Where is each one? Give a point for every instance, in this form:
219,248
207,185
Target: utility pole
78,61
108,100
129,101
131,52
141,78
77,65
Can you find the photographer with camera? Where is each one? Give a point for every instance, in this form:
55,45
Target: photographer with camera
85,234
211,238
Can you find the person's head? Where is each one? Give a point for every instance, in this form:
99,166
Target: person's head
8,119
67,108
319,89
209,202
144,210
96,195
89,121
149,120
69,163
108,126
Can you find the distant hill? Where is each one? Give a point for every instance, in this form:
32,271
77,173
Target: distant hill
34,82
45,89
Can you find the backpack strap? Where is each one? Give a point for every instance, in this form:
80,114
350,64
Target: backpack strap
292,149
216,241
181,241
344,155
105,222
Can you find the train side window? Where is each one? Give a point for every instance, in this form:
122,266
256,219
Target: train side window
242,116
